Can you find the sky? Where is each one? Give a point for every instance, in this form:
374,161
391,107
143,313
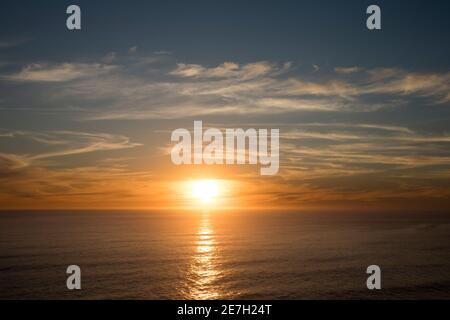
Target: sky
86,116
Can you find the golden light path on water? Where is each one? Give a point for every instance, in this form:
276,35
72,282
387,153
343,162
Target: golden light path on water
204,268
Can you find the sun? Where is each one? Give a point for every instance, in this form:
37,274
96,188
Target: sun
205,190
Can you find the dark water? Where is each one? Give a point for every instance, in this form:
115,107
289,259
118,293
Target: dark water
248,255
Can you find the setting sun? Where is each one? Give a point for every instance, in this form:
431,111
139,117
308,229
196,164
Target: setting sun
205,190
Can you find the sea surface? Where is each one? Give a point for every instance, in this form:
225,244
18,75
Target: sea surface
224,255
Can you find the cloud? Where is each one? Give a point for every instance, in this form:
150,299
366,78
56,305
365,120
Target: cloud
12,43
162,52
31,180
347,126
289,104
150,87
348,70
132,50
259,88
328,150
68,143
76,187
88,142
422,84
225,70
12,162
59,72
325,150
110,58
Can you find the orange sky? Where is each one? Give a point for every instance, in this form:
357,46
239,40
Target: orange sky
89,125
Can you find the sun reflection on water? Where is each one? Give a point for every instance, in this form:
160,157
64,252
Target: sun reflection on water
204,270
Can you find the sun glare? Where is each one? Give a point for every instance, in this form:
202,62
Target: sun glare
205,190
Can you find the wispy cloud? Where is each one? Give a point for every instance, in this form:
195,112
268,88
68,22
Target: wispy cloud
263,87
152,87
69,143
323,151
336,141
348,70
59,72
11,43
225,70
31,180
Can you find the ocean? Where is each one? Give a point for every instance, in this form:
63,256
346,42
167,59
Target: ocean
224,255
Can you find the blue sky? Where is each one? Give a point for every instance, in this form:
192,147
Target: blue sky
414,32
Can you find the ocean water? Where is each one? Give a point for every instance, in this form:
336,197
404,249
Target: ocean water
224,255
